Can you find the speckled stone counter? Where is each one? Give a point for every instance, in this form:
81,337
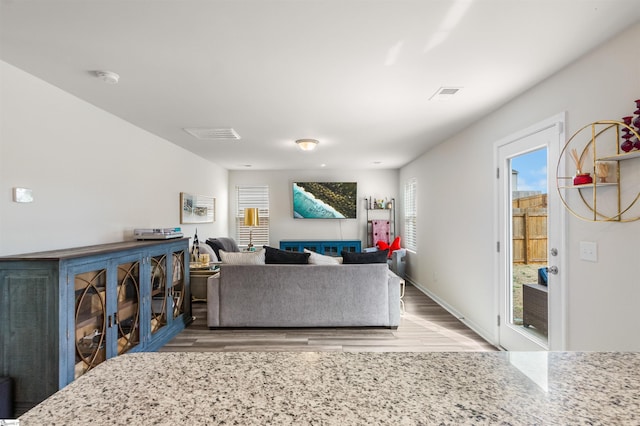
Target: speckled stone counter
351,388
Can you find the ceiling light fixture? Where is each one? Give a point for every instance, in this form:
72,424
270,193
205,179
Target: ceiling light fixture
108,77
307,144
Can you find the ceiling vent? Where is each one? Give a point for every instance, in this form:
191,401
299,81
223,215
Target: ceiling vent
210,134
445,93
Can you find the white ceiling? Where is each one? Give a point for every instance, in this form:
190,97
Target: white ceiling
354,74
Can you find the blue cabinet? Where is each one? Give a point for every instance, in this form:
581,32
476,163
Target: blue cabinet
64,312
326,247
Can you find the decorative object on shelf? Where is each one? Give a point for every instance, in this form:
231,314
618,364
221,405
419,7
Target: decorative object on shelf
195,249
581,177
602,171
627,144
251,219
597,146
197,208
636,122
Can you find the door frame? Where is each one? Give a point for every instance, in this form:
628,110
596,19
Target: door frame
557,316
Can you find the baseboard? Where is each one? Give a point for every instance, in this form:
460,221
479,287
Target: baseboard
472,325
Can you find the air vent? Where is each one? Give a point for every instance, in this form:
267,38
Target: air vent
445,93
209,134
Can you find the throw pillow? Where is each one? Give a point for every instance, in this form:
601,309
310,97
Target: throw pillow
277,256
321,259
242,257
379,256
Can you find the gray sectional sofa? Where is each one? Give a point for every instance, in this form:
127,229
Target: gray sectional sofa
270,295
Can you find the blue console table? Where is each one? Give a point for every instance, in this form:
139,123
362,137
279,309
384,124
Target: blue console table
326,247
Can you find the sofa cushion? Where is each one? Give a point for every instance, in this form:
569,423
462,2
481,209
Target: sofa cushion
321,259
379,256
222,243
281,257
243,257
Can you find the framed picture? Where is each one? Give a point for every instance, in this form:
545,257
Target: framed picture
197,208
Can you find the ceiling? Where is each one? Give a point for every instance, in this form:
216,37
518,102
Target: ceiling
355,74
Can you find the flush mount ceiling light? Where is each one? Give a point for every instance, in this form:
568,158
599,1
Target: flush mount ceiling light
307,144
108,77
445,93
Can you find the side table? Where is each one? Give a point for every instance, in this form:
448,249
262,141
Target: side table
199,282
535,306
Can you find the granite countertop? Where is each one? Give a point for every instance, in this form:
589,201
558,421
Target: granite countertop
507,388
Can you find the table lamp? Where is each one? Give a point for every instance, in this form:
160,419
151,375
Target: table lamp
251,219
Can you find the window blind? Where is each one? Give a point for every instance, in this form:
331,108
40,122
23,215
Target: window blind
411,214
252,196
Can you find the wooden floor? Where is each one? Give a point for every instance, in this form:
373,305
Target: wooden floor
424,327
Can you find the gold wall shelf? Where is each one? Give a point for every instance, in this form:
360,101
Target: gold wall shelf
603,200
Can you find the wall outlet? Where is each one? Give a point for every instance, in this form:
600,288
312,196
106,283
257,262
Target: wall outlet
589,251
22,195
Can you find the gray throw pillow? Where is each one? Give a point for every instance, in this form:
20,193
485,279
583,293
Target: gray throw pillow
379,256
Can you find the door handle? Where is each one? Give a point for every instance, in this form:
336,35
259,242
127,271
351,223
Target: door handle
553,270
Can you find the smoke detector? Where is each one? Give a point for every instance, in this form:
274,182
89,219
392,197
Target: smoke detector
108,77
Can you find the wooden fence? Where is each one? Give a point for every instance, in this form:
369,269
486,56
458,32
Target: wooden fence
530,229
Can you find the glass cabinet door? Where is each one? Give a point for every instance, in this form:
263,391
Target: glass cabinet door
90,320
127,316
158,292
178,284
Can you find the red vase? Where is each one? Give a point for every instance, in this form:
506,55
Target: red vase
582,179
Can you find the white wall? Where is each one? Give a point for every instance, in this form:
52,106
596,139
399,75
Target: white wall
94,176
456,250
376,183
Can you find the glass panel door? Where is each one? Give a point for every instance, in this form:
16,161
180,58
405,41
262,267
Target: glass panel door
529,238
90,320
158,292
178,284
128,312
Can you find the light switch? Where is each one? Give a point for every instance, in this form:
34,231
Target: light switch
22,195
589,251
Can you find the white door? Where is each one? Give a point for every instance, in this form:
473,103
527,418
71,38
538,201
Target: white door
530,229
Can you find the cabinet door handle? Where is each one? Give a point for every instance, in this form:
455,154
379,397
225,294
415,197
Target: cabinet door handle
110,321
115,317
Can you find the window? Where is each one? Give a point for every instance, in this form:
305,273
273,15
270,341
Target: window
251,197
411,214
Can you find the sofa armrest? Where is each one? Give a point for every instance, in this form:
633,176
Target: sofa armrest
394,283
213,300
